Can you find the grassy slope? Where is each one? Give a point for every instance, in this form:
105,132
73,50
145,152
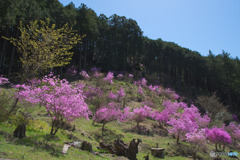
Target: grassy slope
39,145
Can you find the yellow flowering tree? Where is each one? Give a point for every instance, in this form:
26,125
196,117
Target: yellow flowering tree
41,46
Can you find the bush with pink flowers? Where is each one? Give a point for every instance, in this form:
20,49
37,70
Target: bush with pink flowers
63,102
218,136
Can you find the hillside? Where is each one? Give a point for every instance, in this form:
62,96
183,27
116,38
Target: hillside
118,43
39,144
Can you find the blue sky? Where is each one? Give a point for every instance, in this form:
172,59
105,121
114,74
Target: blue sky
199,25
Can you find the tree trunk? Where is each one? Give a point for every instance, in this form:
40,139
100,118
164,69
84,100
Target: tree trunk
178,137
138,125
3,50
20,131
103,129
194,155
56,124
10,66
85,54
80,59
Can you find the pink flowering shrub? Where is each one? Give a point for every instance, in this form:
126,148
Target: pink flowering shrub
62,101
127,114
84,74
119,76
234,130
140,90
140,114
170,109
111,95
197,141
195,116
109,113
109,78
153,88
97,74
72,70
148,102
167,92
118,96
180,126
3,80
92,92
164,116
218,136
142,82
34,82
121,93
130,75
188,121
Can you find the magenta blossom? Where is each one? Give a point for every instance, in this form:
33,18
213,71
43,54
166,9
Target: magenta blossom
109,78
119,76
218,135
130,75
61,100
84,74
140,114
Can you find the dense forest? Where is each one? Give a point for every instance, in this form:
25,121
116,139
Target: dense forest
116,43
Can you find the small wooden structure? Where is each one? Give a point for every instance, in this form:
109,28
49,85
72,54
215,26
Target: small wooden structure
157,152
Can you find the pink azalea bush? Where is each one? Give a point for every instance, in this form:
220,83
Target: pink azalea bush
153,88
148,103
167,92
119,76
130,75
62,101
195,116
3,80
170,109
140,114
118,96
109,113
111,95
84,74
92,92
188,121
180,126
218,136
97,74
109,78
234,130
142,82
140,90
197,140
72,70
